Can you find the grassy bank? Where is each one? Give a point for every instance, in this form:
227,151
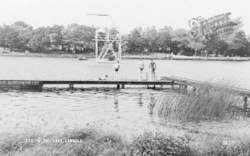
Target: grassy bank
93,143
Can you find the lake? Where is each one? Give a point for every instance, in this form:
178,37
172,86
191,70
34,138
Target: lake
56,108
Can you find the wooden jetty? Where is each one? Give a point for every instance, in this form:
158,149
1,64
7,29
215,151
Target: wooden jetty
38,84
120,84
184,84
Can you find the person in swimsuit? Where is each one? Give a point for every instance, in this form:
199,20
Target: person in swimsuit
103,78
117,67
152,66
141,67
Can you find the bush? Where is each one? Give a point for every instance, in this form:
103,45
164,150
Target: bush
101,144
158,144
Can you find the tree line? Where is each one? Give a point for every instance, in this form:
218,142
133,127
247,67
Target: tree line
77,38
73,38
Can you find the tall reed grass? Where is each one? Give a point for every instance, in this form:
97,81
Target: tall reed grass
207,103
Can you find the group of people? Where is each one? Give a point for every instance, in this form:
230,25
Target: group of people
152,67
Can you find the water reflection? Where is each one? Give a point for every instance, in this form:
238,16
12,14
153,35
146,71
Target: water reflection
151,104
90,104
116,102
140,102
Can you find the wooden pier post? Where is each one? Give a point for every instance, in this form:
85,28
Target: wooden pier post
245,105
181,87
71,86
172,84
185,87
39,87
194,88
123,86
118,86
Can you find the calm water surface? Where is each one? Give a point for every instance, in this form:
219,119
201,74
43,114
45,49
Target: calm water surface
56,105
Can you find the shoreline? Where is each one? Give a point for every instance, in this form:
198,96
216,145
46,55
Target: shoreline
195,58
129,56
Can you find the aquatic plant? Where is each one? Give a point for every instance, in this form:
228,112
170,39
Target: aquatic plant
207,103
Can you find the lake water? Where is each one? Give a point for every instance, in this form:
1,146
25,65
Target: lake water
57,108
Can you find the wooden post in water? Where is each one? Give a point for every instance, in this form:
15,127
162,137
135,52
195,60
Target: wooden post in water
71,86
180,86
118,86
194,89
185,88
172,84
245,105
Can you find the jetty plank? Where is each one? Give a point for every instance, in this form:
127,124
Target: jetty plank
183,82
197,84
39,83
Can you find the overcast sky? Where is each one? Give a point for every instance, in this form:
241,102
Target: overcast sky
127,14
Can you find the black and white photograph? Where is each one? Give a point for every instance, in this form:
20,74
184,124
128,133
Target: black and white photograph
124,78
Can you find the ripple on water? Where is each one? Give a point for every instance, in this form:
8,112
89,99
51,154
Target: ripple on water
89,105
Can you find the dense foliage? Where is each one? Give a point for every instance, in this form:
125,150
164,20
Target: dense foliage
73,38
79,38
92,143
95,143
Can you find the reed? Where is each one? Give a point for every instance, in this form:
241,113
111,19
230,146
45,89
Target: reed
207,103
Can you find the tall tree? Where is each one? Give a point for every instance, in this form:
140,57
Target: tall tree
135,40
165,37
55,35
40,39
150,39
24,33
180,40
79,36
10,37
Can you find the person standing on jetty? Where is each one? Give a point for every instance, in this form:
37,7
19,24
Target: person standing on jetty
152,66
141,67
117,67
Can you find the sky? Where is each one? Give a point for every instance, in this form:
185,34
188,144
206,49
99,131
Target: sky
126,14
